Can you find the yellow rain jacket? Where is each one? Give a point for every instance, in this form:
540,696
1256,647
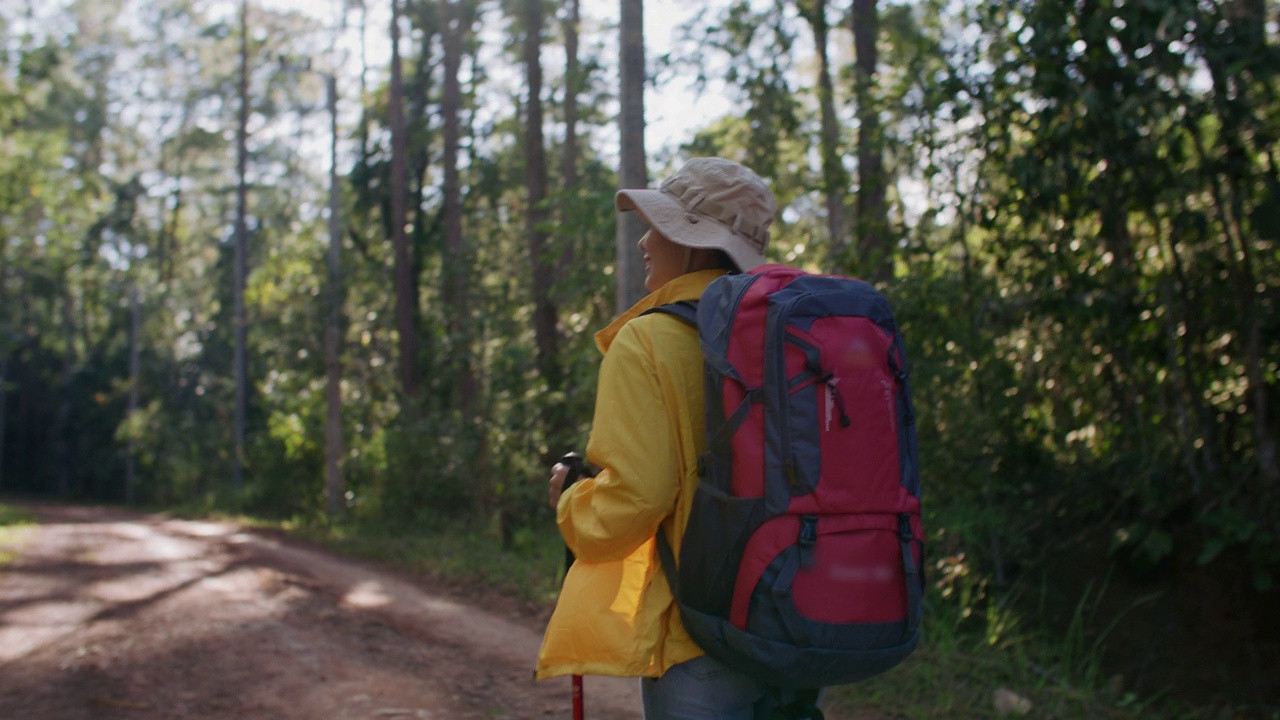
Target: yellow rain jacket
616,615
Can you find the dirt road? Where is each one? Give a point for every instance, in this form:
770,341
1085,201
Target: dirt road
109,616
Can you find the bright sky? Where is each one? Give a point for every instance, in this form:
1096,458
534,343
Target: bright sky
668,115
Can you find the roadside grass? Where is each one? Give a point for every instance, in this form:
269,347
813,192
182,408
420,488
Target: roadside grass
988,660
956,675
529,570
979,658
15,526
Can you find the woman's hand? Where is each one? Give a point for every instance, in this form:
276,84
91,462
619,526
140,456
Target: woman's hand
559,472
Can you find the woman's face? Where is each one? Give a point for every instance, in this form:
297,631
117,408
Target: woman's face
663,260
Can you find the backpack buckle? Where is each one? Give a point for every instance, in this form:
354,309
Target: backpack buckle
808,538
808,531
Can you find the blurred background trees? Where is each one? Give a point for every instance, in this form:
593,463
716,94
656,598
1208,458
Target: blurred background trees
1075,207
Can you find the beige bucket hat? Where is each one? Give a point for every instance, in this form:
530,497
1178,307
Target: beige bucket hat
709,203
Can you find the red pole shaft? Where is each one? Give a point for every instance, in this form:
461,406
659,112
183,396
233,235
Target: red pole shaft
577,698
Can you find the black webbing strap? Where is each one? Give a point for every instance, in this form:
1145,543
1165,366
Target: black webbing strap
795,704
685,310
911,571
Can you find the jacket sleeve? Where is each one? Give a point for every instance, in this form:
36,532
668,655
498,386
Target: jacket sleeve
633,441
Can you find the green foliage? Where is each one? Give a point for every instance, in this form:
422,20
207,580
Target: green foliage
11,516
15,526
1107,256
528,569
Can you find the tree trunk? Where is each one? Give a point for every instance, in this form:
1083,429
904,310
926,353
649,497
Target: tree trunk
8,336
241,257
456,27
1188,398
62,421
874,244
451,108
135,367
572,86
629,273
417,96
833,176
4,404
335,487
1236,248
363,132
569,163
406,297
535,180
456,267
1234,107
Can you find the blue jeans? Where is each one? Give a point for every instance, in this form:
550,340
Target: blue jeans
704,689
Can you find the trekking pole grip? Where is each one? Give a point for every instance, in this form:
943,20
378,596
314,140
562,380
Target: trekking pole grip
577,466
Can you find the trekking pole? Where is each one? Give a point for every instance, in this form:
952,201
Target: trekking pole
578,702
574,462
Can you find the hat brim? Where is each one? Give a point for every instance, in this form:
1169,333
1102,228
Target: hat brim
682,227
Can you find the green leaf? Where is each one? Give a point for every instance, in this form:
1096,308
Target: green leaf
1262,580
1157,544
1213,547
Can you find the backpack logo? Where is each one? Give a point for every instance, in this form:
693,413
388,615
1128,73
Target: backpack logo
831,402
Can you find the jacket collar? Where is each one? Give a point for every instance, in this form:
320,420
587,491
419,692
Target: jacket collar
685,287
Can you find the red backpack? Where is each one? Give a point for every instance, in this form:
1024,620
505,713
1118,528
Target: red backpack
800,564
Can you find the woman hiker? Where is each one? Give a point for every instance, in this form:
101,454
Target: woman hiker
616,615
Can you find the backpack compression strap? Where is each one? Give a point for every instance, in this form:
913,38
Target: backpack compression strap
686,311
